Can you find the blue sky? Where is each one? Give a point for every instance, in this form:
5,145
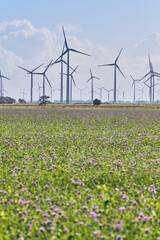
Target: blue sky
100,27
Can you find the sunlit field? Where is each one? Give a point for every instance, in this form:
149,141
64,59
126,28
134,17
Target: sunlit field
79,174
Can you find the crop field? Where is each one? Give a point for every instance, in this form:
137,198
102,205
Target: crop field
79,174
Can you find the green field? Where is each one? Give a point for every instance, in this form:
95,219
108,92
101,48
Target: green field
80,173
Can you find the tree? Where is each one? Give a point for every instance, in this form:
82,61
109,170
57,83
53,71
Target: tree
10,100
7,100
43,100
20,100
96,102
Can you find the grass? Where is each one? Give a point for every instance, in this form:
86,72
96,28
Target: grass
79,173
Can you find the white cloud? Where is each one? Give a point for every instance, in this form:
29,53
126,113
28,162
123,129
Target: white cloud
68,27
24,40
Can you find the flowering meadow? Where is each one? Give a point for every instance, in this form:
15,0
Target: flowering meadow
79,174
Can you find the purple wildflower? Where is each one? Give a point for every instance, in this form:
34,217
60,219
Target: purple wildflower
121,209
42,229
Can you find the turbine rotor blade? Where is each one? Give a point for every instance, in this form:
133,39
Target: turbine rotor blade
144,76
5,77
67,64
148,79
73,81
91,72
146,84
120,71
118,55
48,81
48,66
74,70
65,40
132,77
150,63
105,89
104,65
37,67
111,90
89,79
73,50
25,69
95,77
38,73
156,74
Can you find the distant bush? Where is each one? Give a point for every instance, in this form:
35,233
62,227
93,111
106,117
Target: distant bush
96,102
7,100
43,100
20,100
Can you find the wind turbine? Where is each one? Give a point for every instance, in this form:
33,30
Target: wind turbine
119,93
31,72
1,84
81,91
150,89
134,88
3,90
91,78
39,89
142,91
52,90
67,51
108,93
152,74
61,60
45,77
100,92
123,96
23,93
115,68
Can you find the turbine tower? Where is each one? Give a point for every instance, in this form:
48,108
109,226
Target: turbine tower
150,89
142,91
92,88
23,93
134,89
81,91
39,89
67,51
1,84
51,91
3,90
108,93
115,77
45,77
72,81
31,72
62,61
100,92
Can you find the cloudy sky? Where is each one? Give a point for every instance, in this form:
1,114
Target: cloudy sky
31,34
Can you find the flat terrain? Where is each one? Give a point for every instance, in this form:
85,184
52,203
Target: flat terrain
80,173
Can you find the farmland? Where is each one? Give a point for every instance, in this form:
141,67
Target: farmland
79,174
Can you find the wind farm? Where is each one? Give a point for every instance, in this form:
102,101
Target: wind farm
80,120
66,76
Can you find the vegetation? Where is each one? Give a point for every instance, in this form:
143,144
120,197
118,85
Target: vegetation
96,102
7,100
21,100
43,100
79,174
